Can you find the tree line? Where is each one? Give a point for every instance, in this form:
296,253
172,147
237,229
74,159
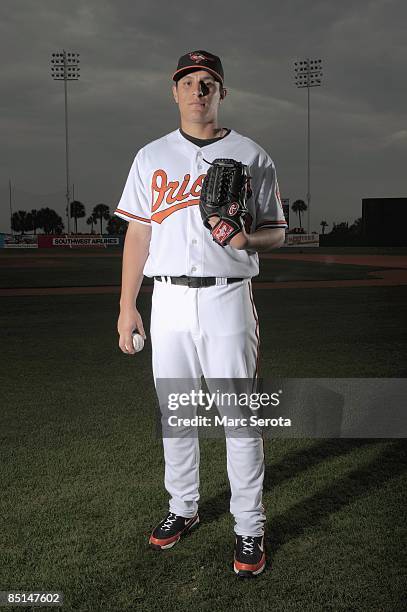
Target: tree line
343,229
50,222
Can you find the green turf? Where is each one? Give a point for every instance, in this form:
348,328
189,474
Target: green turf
60,271
82,468
344,332
48,268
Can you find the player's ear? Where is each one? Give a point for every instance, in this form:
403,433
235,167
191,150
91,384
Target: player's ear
223,93
175,93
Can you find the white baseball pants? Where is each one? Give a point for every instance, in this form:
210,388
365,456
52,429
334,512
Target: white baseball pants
210,331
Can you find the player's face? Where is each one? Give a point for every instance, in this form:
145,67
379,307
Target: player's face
198,96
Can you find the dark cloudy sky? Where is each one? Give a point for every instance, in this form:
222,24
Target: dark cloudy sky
128,51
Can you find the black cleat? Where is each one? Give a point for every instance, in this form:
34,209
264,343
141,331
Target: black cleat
250,556
169,531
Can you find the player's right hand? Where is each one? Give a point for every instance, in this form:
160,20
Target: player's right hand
129,320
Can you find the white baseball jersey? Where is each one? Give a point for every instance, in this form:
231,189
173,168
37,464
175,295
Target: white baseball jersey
163,189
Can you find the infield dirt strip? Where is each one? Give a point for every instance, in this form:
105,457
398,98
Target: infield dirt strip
390,270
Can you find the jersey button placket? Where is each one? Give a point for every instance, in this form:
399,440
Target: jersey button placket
194,267
199,161
193,242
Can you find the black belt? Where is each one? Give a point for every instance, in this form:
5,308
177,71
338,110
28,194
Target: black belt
195,282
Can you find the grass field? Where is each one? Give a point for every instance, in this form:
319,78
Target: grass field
82,468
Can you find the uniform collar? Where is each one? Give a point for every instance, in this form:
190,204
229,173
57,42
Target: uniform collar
209,141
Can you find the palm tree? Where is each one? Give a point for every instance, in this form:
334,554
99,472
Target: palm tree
323,224
34,217
340,228
21,221
101,211
77,211
50,221
91,221
298,207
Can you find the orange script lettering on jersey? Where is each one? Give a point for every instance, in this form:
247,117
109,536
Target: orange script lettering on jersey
172,194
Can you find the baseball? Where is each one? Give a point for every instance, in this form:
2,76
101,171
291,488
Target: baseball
138,342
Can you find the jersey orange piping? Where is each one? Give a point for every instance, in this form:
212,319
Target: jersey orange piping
124,212
256,373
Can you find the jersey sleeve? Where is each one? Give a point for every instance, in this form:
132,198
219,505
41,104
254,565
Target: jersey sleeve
269,209
134,204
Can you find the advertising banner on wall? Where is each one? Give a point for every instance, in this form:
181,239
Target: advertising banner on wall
302,240
18,241
78,240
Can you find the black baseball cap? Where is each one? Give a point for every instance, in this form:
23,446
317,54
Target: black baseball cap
199,60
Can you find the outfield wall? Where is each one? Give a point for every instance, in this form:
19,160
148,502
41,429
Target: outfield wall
29,241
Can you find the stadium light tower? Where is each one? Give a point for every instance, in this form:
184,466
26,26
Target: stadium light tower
308,74
65,67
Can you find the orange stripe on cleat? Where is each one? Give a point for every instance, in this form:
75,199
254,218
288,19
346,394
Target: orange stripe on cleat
250,567
174,538
164,542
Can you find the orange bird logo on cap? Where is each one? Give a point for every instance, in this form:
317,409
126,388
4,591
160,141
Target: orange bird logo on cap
198,57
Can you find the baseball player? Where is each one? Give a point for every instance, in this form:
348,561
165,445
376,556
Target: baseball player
203,317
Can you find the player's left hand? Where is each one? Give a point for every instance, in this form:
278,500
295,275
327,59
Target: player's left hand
239,242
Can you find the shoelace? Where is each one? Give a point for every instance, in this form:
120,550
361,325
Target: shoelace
171,518
248,545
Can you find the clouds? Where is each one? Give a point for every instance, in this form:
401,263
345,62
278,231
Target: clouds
123,98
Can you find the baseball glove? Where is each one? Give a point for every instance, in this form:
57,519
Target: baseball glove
225,191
